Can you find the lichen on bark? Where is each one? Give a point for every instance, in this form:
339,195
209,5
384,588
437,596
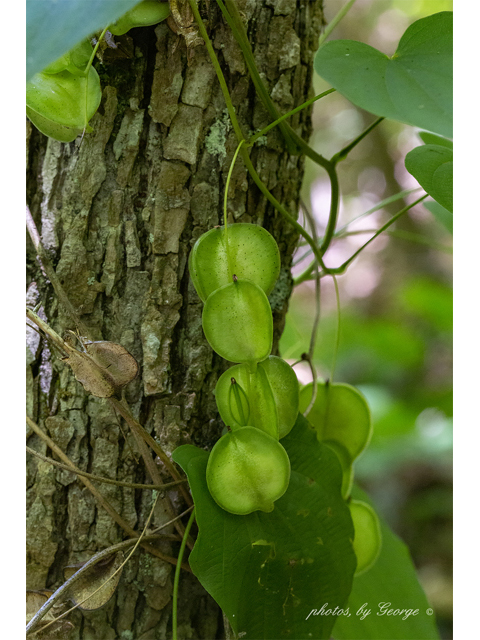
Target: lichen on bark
118,214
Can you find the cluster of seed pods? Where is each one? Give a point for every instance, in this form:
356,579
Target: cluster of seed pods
342,420
233,270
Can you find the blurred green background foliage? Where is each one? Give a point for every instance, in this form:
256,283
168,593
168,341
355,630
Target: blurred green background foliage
395,340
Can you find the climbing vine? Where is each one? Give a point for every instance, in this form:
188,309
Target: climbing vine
282,530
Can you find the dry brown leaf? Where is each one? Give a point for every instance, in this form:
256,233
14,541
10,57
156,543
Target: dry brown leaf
95,380
104,368
58,630
121,365
96,577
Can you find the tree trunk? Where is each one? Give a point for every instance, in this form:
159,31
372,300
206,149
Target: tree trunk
118,213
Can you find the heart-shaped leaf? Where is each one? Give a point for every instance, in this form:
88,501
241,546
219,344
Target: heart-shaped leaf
53,27
444,216
237,322
267,571
431,138
247,250
413,86
432,166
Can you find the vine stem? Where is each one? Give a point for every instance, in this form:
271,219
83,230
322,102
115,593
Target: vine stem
218,70
333,23
306,104
337,333
234,20
86,72
225,214
342,267
177,576
305,275
316,320
343,153
240,137
383,203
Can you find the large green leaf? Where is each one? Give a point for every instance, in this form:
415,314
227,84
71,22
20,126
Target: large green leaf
268,571
432,166
56,26
431,138
392,579
444,216
413,86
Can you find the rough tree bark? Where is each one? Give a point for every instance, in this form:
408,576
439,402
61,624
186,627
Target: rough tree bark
118,215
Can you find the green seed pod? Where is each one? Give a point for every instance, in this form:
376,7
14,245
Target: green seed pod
272,396
64,101
284,385
75,60
59,65
252,255
237,322
238,404
340,415
52,129
347,467
259,396
367,542
247,471
143,14
80,56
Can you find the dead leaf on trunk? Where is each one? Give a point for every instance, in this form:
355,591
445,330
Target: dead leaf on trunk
58,630
103,368
95,578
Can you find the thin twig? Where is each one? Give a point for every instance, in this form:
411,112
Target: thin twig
119,483
337,333
116,572
177,575
306,358
102,501
316,320
124,411
101,555
333,23
49,332
140,434
52,276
